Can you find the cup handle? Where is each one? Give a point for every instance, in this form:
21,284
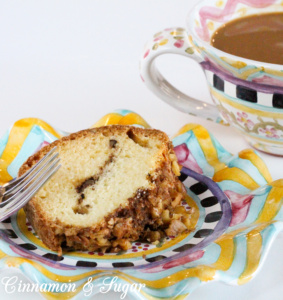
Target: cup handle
176,41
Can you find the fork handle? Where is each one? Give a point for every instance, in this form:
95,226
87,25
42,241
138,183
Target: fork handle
2,191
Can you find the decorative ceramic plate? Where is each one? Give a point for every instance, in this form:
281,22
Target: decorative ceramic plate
237,214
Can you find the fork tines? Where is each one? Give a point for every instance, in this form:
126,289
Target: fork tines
24,188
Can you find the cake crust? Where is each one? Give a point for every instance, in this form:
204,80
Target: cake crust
149,215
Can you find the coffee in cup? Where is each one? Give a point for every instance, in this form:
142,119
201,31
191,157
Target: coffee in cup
247,89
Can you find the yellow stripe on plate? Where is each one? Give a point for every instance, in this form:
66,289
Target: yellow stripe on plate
2,254
149,297
134,119
203,273
186,128
227,254
109,119
69,295
254,245
21,222
206,144
273,202
250,155
237,175
118,119
62,295
17,136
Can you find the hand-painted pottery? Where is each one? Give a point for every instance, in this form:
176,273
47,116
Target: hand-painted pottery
247,94
237,214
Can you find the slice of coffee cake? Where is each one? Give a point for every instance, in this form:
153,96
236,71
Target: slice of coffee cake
117,184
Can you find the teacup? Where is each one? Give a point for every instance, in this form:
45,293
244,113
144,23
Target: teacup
247,94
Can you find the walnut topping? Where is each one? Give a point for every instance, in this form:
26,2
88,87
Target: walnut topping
177,200
166,216
176,227
153,236
176,168
186,219
111,222
155,212
124,244
103,242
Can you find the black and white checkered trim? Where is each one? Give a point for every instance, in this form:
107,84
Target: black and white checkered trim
240,91
213,211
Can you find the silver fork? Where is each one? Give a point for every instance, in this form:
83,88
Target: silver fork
16,193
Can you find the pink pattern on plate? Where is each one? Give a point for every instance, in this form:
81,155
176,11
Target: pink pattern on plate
242,117
158,38
218,66
186,159
175,263
224,15
269,132
268,80
44,143
179,44
146,53
240,206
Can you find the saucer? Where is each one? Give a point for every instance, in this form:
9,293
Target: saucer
237,214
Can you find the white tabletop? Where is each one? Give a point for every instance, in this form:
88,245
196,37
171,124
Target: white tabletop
71,62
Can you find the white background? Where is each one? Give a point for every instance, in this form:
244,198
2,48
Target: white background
71,62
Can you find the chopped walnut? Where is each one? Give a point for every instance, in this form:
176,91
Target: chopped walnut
176,168
177,200
124,244
176,227
166,216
